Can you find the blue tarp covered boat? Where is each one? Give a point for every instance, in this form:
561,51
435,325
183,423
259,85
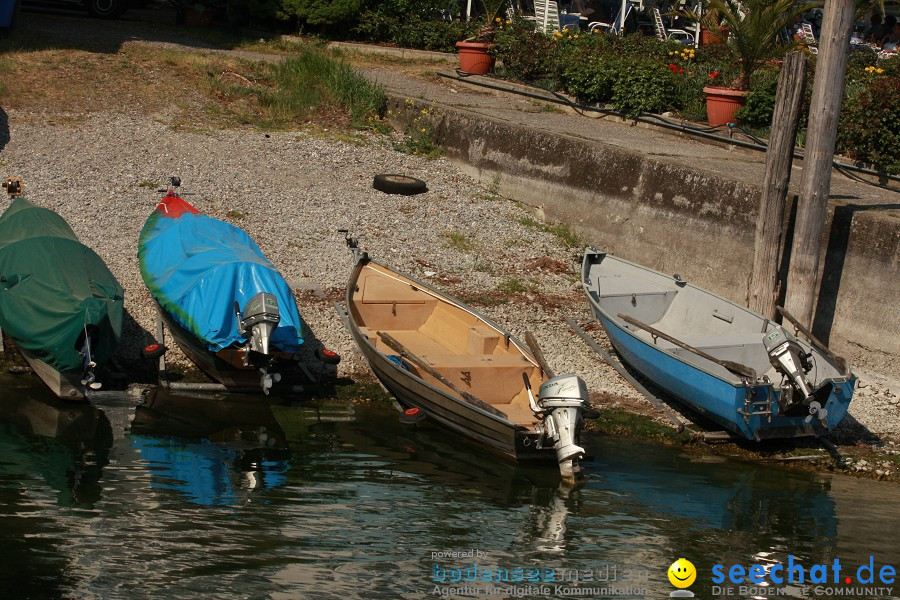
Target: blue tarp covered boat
226,305
739,369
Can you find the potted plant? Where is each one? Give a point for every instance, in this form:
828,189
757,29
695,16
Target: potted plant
753,28
474,55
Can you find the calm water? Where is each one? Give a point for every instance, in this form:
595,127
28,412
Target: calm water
236,499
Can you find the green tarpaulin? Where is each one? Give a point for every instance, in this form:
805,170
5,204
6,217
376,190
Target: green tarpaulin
52,287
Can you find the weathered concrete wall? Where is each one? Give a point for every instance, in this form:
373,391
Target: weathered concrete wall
678,219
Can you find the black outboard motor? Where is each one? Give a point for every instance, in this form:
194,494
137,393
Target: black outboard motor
792,361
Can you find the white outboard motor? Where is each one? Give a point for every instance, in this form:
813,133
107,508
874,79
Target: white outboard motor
561,401
259,319
791,360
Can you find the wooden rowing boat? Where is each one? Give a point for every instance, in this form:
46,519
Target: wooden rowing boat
442,359
740,369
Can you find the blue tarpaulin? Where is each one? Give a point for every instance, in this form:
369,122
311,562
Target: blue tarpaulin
196,267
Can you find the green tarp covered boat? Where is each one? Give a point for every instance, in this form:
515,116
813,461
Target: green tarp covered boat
58,300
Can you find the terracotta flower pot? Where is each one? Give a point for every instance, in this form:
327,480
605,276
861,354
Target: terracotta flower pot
708,36
722,103
474,57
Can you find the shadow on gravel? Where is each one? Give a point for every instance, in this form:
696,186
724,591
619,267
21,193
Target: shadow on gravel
4,129
48,28
128,359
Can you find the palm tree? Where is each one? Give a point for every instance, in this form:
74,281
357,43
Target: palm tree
753,29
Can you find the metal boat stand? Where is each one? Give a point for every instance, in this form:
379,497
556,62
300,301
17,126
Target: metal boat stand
608,359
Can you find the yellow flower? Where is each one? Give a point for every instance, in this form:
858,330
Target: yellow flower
869,69
576,36
508,21
498,19
879,70
423,130
424,111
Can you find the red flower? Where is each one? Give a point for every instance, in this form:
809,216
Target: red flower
681,71
713,75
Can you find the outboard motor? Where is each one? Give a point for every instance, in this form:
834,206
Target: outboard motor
259,319
791,360
561,401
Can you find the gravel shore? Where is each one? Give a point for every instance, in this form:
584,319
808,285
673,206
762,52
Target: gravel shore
291,191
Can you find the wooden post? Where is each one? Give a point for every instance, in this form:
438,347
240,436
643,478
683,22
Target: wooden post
815,183
762,291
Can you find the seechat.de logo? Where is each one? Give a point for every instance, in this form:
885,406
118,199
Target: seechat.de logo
682,574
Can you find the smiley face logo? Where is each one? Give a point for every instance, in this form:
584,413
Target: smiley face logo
682,573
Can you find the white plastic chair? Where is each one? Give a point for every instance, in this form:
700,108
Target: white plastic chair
546,13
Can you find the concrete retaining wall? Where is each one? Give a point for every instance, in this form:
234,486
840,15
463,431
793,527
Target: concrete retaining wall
679,219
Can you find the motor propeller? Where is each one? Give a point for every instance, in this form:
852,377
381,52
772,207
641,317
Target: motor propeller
87,364
817,411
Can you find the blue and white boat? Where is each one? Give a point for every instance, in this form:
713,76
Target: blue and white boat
739,369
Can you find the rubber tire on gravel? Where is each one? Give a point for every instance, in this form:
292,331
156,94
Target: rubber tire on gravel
106,9
399,184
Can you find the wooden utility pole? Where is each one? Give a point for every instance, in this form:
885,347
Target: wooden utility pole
815,183
762,291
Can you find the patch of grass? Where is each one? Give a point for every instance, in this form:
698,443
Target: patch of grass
146,183
514,285
234,214
485,299
566,236
625,423
197,90
418,131
313,80
483,267
458,240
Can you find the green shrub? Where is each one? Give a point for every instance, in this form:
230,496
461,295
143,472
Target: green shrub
525,54
591,80
870,124
375,27
642,86
760,106
440,36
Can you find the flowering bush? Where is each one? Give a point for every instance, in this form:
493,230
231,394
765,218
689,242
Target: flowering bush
869,129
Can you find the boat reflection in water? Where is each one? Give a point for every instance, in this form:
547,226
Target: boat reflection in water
62,444
216,449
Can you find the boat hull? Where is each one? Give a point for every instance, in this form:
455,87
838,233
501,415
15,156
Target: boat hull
487,429
211,363
746,408
65,385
